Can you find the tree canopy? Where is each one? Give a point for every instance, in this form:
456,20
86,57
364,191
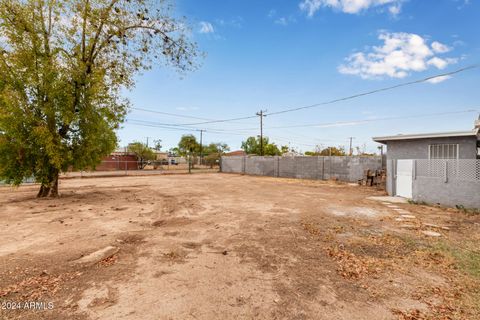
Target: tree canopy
252,146
157,144
141,151
329,151
63,65
187,145
215,148
213,152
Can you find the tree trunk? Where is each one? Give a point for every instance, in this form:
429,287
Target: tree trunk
51,187
54,190
43,192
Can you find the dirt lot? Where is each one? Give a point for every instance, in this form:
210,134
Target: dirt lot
213,246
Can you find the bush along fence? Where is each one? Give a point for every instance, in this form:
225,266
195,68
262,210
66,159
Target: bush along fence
349,169
453,183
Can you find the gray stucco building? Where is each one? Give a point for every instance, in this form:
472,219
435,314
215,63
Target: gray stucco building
443,145
441,167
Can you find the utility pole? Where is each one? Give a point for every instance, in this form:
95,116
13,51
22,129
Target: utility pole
261,114
351,150
201,146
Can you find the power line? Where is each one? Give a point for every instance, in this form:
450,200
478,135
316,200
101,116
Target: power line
192,117
232,133
377,90
169,114
244,133
185,129
327,124
324,124
208,121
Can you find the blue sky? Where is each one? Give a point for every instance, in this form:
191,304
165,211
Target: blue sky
276,55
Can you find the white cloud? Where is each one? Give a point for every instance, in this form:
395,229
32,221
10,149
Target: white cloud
395,9
236,22
437,62
350,6
206,27
284,21
439,79
440,47
400,54
272,13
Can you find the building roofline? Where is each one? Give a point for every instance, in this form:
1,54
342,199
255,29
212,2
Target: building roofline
470,133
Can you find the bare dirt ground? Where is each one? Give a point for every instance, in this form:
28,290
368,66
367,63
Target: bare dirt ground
218,246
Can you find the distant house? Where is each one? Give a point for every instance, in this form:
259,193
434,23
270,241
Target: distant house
441,167
235,153
120,159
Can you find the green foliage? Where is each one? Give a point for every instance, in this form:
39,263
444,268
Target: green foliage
141,151
466,257
212,159
63,65
157,144
329,151
217,148
213,152
252,146
188,145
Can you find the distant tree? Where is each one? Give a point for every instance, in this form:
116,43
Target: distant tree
142,152
174,151
252,146
212,159
63,66
188,145
216,147
157,144
214,152
362,151
329,151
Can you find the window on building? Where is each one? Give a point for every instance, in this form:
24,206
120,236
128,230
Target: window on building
443,151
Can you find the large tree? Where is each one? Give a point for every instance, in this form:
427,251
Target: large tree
142,152
188,145
213,152
215,147
252,146
63,64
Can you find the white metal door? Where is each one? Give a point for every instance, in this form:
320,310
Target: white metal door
404,178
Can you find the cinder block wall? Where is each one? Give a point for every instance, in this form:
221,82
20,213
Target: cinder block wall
232,164
452,193
349,169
